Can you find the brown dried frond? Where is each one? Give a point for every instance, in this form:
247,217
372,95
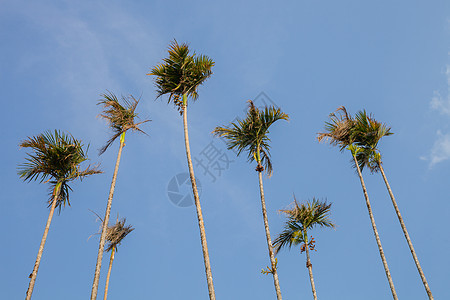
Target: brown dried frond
338,131
116,233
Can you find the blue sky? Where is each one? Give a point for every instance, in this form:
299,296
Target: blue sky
307,57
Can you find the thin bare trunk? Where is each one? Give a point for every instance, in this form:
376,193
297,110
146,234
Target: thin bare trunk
405,232
375,231
209,278
111,259
309,266
105,222
41,247
269,241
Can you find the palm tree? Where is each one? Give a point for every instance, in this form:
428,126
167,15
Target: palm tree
56,159
179,76
368,133
121,118
301,218
251,135
340,131
115,234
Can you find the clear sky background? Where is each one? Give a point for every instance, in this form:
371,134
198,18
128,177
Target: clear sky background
309,58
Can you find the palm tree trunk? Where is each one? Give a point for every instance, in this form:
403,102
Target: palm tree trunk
405,232
44,238
201,225
106,221
111,259
269,241
309,266
375,231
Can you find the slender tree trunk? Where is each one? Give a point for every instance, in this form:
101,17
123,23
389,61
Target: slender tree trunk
44,238
375,231
269,241
111,259
201,225
309,266
405,232
106,221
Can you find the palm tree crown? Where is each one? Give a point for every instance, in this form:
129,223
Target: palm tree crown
116,233
181,73
360,134
250,134
301,218
121,117
367,133
56,159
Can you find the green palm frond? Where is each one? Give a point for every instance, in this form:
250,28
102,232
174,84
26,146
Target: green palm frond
116,233
251,134
310,214
367,134
301,218
120,116
368,131
291,235
181,73
55,158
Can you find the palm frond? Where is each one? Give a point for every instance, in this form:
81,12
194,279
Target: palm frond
120,116
310,214
116,233
291,235
301,218
339,130
367,134
181,73
251,134
55,158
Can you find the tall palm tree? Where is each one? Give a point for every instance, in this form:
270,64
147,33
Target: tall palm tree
340,131
251,135
56,159
121,118
369,132
180,75
302,218
115,234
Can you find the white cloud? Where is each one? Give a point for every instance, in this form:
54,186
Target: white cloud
439,102
441,149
